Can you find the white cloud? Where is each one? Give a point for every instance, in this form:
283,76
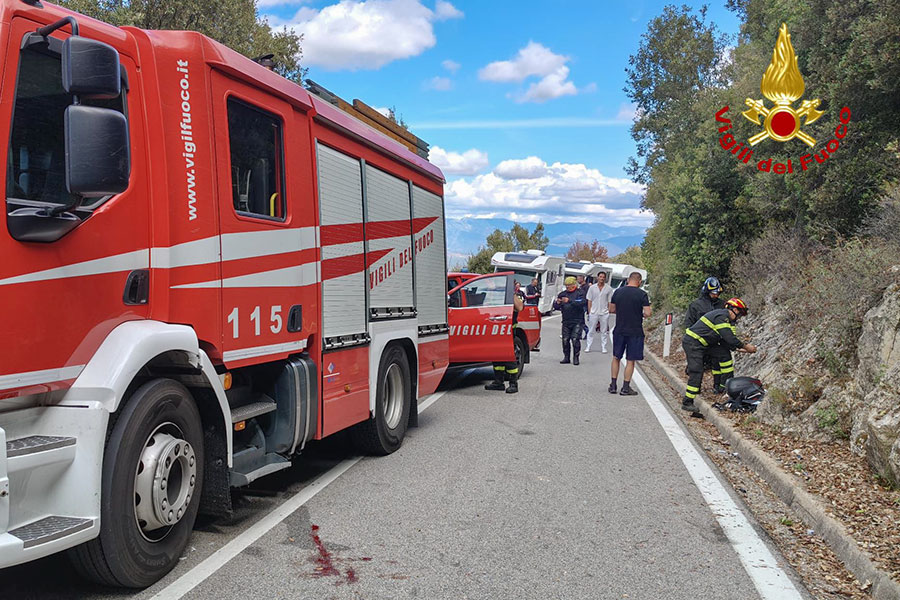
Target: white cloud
383,110
469,162
554,85
440,84
451,65
526,168
444,10
366,34
530,190
534,60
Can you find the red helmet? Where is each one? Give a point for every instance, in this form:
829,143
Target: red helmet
738,305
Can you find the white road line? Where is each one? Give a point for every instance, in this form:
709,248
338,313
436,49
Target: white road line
220,557
770,580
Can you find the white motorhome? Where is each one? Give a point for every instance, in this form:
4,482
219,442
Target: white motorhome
534,263
584,267
619,273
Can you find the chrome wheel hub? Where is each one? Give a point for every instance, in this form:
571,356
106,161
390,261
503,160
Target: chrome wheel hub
164,481
393,396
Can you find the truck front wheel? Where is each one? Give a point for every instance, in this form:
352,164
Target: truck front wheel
152,478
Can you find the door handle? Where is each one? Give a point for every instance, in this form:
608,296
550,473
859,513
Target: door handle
503,318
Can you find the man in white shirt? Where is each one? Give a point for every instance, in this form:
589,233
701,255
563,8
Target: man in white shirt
598,297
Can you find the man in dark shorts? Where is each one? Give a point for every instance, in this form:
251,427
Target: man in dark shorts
631,305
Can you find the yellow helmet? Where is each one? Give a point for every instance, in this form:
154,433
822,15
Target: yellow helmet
570,280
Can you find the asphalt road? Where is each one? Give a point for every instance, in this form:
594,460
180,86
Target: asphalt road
559,491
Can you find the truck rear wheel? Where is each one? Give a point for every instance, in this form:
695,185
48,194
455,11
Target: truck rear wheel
152,478
384,432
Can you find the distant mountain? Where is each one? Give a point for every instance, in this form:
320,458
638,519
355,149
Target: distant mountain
464,236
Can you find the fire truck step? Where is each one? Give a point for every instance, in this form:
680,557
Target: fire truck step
49,529
36,443
270,464
248,411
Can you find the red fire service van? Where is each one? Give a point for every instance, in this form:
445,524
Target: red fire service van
481,320
236,268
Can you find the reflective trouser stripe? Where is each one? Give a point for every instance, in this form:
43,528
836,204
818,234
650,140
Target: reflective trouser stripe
513,371
500,368
715,372
727,370
727,363
691,391
697,337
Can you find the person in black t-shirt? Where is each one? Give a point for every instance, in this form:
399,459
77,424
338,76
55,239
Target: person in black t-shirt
631,305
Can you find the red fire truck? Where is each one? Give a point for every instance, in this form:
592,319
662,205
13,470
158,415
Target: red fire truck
238,268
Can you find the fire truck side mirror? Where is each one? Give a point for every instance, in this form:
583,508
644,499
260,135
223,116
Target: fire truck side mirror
98,156
90,68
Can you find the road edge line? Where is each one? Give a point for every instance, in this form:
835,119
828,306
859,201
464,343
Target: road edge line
770,580
794,496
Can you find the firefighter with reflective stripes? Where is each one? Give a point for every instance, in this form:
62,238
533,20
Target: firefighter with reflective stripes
712,334
509,370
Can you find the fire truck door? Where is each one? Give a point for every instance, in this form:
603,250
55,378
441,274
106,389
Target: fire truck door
268,250
61,297
481,320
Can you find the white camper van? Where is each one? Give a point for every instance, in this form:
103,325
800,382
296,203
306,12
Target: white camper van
534,263
619,273
584,267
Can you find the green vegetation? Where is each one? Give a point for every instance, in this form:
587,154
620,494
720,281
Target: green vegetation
633,256
822,228
829,420
232,22
518,238
593,252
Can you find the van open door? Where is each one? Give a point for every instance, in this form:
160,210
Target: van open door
481,320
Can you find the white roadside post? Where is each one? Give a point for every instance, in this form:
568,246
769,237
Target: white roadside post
667,340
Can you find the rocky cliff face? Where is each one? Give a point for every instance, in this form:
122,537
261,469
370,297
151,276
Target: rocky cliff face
806,397
875,392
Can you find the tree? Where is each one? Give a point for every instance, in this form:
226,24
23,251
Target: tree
593,252
517,239
633,256
679,78
232,22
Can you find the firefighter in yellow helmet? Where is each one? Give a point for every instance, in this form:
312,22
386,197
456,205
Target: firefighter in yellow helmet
571,302
712,334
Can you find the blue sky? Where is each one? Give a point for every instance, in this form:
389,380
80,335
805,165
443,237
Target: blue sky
521,101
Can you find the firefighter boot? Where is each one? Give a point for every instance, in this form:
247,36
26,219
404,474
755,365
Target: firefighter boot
513,386
575,359
718,388
497,384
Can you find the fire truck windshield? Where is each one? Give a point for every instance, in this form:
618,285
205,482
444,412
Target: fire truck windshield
35,172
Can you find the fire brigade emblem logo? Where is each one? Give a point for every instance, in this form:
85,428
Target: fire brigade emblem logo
783,85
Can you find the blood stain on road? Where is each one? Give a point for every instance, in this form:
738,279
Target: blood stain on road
325,561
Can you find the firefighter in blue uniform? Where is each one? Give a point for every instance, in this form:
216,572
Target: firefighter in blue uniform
571,302
509,370
713,333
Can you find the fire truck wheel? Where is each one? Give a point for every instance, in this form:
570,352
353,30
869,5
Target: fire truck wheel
384,432
521,353
152,478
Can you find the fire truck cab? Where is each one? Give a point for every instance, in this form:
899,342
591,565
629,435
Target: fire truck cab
204,269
